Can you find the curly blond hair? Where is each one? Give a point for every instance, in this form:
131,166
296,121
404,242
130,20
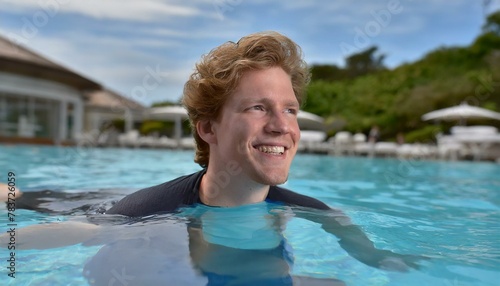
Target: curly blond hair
218,73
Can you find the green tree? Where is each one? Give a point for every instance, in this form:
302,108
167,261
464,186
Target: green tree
364,62
365,93
492,24
165,103
327,73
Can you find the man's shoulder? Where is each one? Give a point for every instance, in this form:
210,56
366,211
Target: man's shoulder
280,194
172,186
164,197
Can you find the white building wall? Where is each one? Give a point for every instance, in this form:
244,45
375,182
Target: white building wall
44,89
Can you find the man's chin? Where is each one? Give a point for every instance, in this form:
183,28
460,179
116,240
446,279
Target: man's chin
274,179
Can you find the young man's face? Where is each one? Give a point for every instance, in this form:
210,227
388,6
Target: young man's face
258,128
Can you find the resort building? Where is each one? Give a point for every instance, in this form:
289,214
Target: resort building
104,106
43,102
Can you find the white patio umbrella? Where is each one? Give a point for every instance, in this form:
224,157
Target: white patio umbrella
173,113
461,112
310,121
167,112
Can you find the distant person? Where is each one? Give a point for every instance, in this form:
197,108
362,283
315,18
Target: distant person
242,101
400,138
374,135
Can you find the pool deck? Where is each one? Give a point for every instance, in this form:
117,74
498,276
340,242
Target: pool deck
479,152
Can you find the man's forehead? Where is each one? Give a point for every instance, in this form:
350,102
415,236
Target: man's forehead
279,91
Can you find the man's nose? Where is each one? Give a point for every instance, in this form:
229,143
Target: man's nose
279,123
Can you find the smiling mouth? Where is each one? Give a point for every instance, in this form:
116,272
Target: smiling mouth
273,150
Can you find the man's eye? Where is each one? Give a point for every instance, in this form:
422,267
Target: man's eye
291,110
257,107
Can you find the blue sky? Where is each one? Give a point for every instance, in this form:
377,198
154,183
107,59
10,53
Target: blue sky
119,43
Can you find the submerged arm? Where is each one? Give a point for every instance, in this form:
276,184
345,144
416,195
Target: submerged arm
51,235
353,240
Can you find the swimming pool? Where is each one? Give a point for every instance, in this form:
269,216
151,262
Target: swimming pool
448,211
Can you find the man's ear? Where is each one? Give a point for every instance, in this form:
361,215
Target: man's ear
206,131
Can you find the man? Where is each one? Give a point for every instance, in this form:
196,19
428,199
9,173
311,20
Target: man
242,102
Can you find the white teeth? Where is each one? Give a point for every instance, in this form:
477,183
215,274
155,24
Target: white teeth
277,150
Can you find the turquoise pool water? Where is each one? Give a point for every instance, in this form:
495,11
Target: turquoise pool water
447,211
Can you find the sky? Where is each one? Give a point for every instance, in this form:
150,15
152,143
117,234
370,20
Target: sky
146,49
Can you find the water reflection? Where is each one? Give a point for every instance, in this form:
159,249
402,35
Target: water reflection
200,246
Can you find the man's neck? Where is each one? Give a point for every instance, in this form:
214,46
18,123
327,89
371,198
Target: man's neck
229,191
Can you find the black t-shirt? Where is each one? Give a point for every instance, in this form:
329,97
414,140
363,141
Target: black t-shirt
184,191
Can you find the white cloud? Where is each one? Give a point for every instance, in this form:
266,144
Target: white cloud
144,10
230,33
174,33
118,65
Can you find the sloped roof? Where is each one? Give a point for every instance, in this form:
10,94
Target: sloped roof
17,59
109,99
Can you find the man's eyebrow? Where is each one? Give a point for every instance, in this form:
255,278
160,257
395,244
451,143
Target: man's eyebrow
252,100
293,103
